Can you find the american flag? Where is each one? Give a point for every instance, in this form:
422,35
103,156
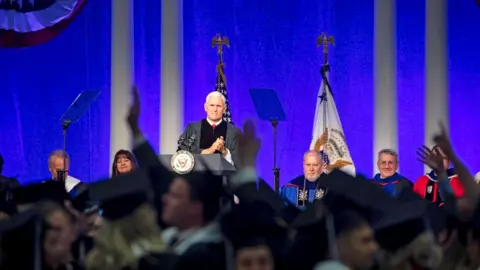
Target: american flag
221,86
325,157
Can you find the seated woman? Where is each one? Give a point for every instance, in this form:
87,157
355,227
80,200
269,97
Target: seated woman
124,162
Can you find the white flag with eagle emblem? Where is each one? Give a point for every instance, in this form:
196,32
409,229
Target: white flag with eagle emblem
331,142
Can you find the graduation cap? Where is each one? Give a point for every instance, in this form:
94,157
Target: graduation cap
254,224
437,218
21,240
121,194
401,225
208,189
358,189
83,203
289,213
46,191
312,241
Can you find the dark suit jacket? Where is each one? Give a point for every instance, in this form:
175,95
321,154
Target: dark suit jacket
231,143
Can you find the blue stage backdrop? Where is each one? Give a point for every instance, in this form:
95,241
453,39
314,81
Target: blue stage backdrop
273,45
147,40
38,85
411,84
464,79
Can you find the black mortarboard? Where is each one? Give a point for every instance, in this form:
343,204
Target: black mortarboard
312,216
356,189
311,243
357,194
19,220
21,240
121,194
401,225
82,202
289,213
253,224
49,190
206,188
437,218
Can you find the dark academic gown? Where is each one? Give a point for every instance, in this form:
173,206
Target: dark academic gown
427,186
209,256
393,184
201,135
301,192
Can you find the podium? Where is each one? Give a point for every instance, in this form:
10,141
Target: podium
213,162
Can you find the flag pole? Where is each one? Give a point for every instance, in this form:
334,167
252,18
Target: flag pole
324,40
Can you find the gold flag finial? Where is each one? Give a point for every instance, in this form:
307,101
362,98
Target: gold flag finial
323,40
219,41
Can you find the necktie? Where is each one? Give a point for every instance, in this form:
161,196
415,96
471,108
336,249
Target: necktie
214,126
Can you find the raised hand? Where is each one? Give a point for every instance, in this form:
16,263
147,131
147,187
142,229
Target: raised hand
248,144
430,158
134,112
442,140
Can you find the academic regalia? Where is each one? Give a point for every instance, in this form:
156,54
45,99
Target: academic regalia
22,242
204,247
427,186
393,184
120,196
311,242
28,196
300,192
19,241
251,225
209,134
200,135
407,223
348,201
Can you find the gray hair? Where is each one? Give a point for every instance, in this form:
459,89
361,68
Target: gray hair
311,153
58,153
216,94
390,152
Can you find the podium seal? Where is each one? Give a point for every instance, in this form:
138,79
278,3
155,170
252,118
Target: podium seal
182,162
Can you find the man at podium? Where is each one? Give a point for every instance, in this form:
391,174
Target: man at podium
213,134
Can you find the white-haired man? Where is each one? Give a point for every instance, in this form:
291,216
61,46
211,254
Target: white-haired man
306,188
60,161
388,177
213,135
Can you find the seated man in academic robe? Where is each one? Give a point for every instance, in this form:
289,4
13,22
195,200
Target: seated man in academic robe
306,188
59,161
388,178
427,185
213,134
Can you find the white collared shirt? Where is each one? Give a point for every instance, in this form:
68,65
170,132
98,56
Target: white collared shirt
228,156
207,234
71,182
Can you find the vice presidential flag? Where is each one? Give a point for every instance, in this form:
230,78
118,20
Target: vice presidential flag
330,141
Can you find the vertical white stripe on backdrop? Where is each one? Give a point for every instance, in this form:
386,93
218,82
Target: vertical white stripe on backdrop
121,74
171,97
436,75
385,78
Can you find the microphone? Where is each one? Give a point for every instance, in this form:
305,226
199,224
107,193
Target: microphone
61,175
191,141
181,143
